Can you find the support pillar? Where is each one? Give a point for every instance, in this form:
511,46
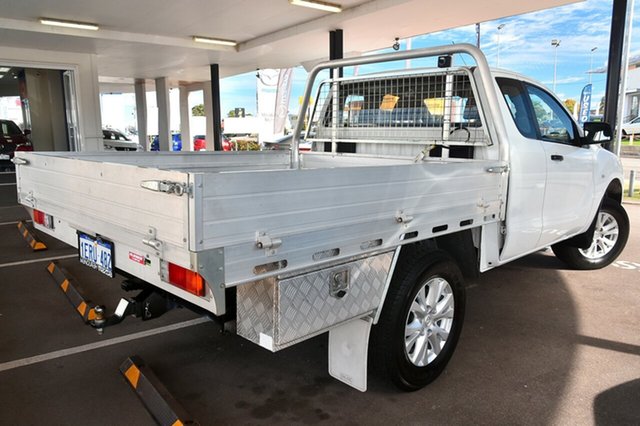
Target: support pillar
162,98
336,51
141,112
614,67
185,129
215,107
208,112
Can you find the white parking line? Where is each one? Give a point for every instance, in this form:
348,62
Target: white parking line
97,345
7,173
8,184
14,222
44,259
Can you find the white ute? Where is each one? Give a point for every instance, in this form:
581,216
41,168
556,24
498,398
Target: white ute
417,179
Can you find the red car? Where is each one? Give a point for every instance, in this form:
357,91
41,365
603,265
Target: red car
200,144
12,139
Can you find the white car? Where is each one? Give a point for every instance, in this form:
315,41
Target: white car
115,140
632,127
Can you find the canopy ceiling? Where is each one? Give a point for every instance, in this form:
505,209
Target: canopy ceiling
150,39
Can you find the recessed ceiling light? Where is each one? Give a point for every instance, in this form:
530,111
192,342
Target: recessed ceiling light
4,69
321,5
214,41
69,24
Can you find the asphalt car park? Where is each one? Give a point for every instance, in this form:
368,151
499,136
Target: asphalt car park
541,344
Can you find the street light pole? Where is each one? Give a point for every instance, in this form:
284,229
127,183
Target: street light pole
500,27
591,63
555,43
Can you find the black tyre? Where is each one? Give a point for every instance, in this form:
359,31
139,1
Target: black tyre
610,237
421,319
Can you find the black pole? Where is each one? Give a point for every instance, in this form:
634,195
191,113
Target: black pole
336,49
616,44
215,101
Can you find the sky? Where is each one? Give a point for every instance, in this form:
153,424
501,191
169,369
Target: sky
524,44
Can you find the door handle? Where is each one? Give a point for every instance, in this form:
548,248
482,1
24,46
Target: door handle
556,157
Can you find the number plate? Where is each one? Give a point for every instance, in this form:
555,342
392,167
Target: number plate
4,157
96,253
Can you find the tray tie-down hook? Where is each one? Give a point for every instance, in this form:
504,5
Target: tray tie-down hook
152,241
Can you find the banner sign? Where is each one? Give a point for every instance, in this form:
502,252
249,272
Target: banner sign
266,91
283,93
585,104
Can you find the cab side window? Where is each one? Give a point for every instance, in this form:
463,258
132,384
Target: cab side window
552,121
517,99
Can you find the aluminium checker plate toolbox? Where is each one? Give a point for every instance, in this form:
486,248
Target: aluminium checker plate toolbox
280,311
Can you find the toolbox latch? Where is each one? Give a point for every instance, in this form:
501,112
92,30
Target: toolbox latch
340,284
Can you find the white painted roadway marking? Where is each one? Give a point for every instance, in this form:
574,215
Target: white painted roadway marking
626,264
44,259
97,345
8,184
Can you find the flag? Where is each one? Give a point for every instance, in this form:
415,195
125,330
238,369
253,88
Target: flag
585,104
266,88
283,93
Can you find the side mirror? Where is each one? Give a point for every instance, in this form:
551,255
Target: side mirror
596,132
27,132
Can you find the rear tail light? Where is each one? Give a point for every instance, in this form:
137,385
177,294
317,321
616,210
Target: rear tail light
24,147
185,279
41,218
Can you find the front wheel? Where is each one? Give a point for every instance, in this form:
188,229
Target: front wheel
421,320
609,239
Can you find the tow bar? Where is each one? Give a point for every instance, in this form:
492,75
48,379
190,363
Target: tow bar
147,304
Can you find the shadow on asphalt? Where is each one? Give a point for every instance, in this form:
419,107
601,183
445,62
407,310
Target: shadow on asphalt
611,407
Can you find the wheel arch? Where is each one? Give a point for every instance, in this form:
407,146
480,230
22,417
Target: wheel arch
459,245
614,191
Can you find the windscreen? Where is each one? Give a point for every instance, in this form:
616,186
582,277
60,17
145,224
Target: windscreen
9,128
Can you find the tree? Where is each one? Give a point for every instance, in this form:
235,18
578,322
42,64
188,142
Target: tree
540,111
570,104
198,110
601,106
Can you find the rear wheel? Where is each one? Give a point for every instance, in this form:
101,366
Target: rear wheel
421,320
609,238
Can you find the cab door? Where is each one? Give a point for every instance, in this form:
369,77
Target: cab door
527,176
568,196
